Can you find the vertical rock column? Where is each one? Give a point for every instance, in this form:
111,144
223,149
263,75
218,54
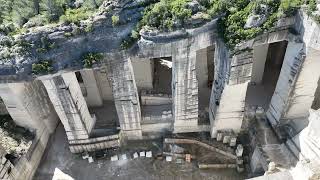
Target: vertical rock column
70,105
185,88
125,96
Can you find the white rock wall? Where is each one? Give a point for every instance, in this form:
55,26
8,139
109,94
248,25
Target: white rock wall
143,72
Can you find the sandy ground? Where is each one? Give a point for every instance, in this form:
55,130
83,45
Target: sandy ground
58,156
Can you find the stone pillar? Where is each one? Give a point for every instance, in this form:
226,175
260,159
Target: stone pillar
93,97
185,89
125,96
69,103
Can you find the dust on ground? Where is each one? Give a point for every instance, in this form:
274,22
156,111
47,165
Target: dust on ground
58,156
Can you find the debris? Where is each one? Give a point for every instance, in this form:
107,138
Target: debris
188,157
226,139
85,156
114,158
176,149
149,154
219,136
239,150
168,158
179,161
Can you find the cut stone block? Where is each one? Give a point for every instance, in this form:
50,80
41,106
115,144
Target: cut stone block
233,141
135,155
114,158
142,154
226,139
124,157
149,154
219,136
168,158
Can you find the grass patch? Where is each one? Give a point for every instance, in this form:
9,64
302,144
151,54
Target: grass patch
42,67
88,60
76,15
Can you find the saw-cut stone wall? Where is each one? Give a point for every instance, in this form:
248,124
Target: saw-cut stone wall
69,103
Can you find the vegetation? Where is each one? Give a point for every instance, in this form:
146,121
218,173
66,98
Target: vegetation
88,60
46,45
42,67
232,28
16,13
115,20
76,15
163,14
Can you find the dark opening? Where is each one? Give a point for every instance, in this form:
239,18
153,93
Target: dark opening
79,77
205,78
261,94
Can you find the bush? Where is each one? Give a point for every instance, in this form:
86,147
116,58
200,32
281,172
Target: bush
45,45
88,60
289,7
115,20
42,67
312,6
76,15
165,13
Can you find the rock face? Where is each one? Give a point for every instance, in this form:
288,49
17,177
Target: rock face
255,21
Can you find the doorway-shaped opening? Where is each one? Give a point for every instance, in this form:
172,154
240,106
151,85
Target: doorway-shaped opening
267,64
153,78
205,77
96,88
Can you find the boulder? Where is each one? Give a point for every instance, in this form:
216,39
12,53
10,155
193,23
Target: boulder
255,21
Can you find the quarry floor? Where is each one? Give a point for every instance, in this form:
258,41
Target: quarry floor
58,156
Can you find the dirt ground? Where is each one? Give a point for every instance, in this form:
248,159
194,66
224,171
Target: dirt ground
58,156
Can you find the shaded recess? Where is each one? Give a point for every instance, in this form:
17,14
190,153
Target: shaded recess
97,91
266,70
153,78
205,77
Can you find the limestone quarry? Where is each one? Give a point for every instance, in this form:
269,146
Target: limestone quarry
215,91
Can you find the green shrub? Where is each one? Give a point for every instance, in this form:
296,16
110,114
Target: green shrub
42,67
76,15
45,45
68,34
312,6
88,60
163,14
289,7
115,20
